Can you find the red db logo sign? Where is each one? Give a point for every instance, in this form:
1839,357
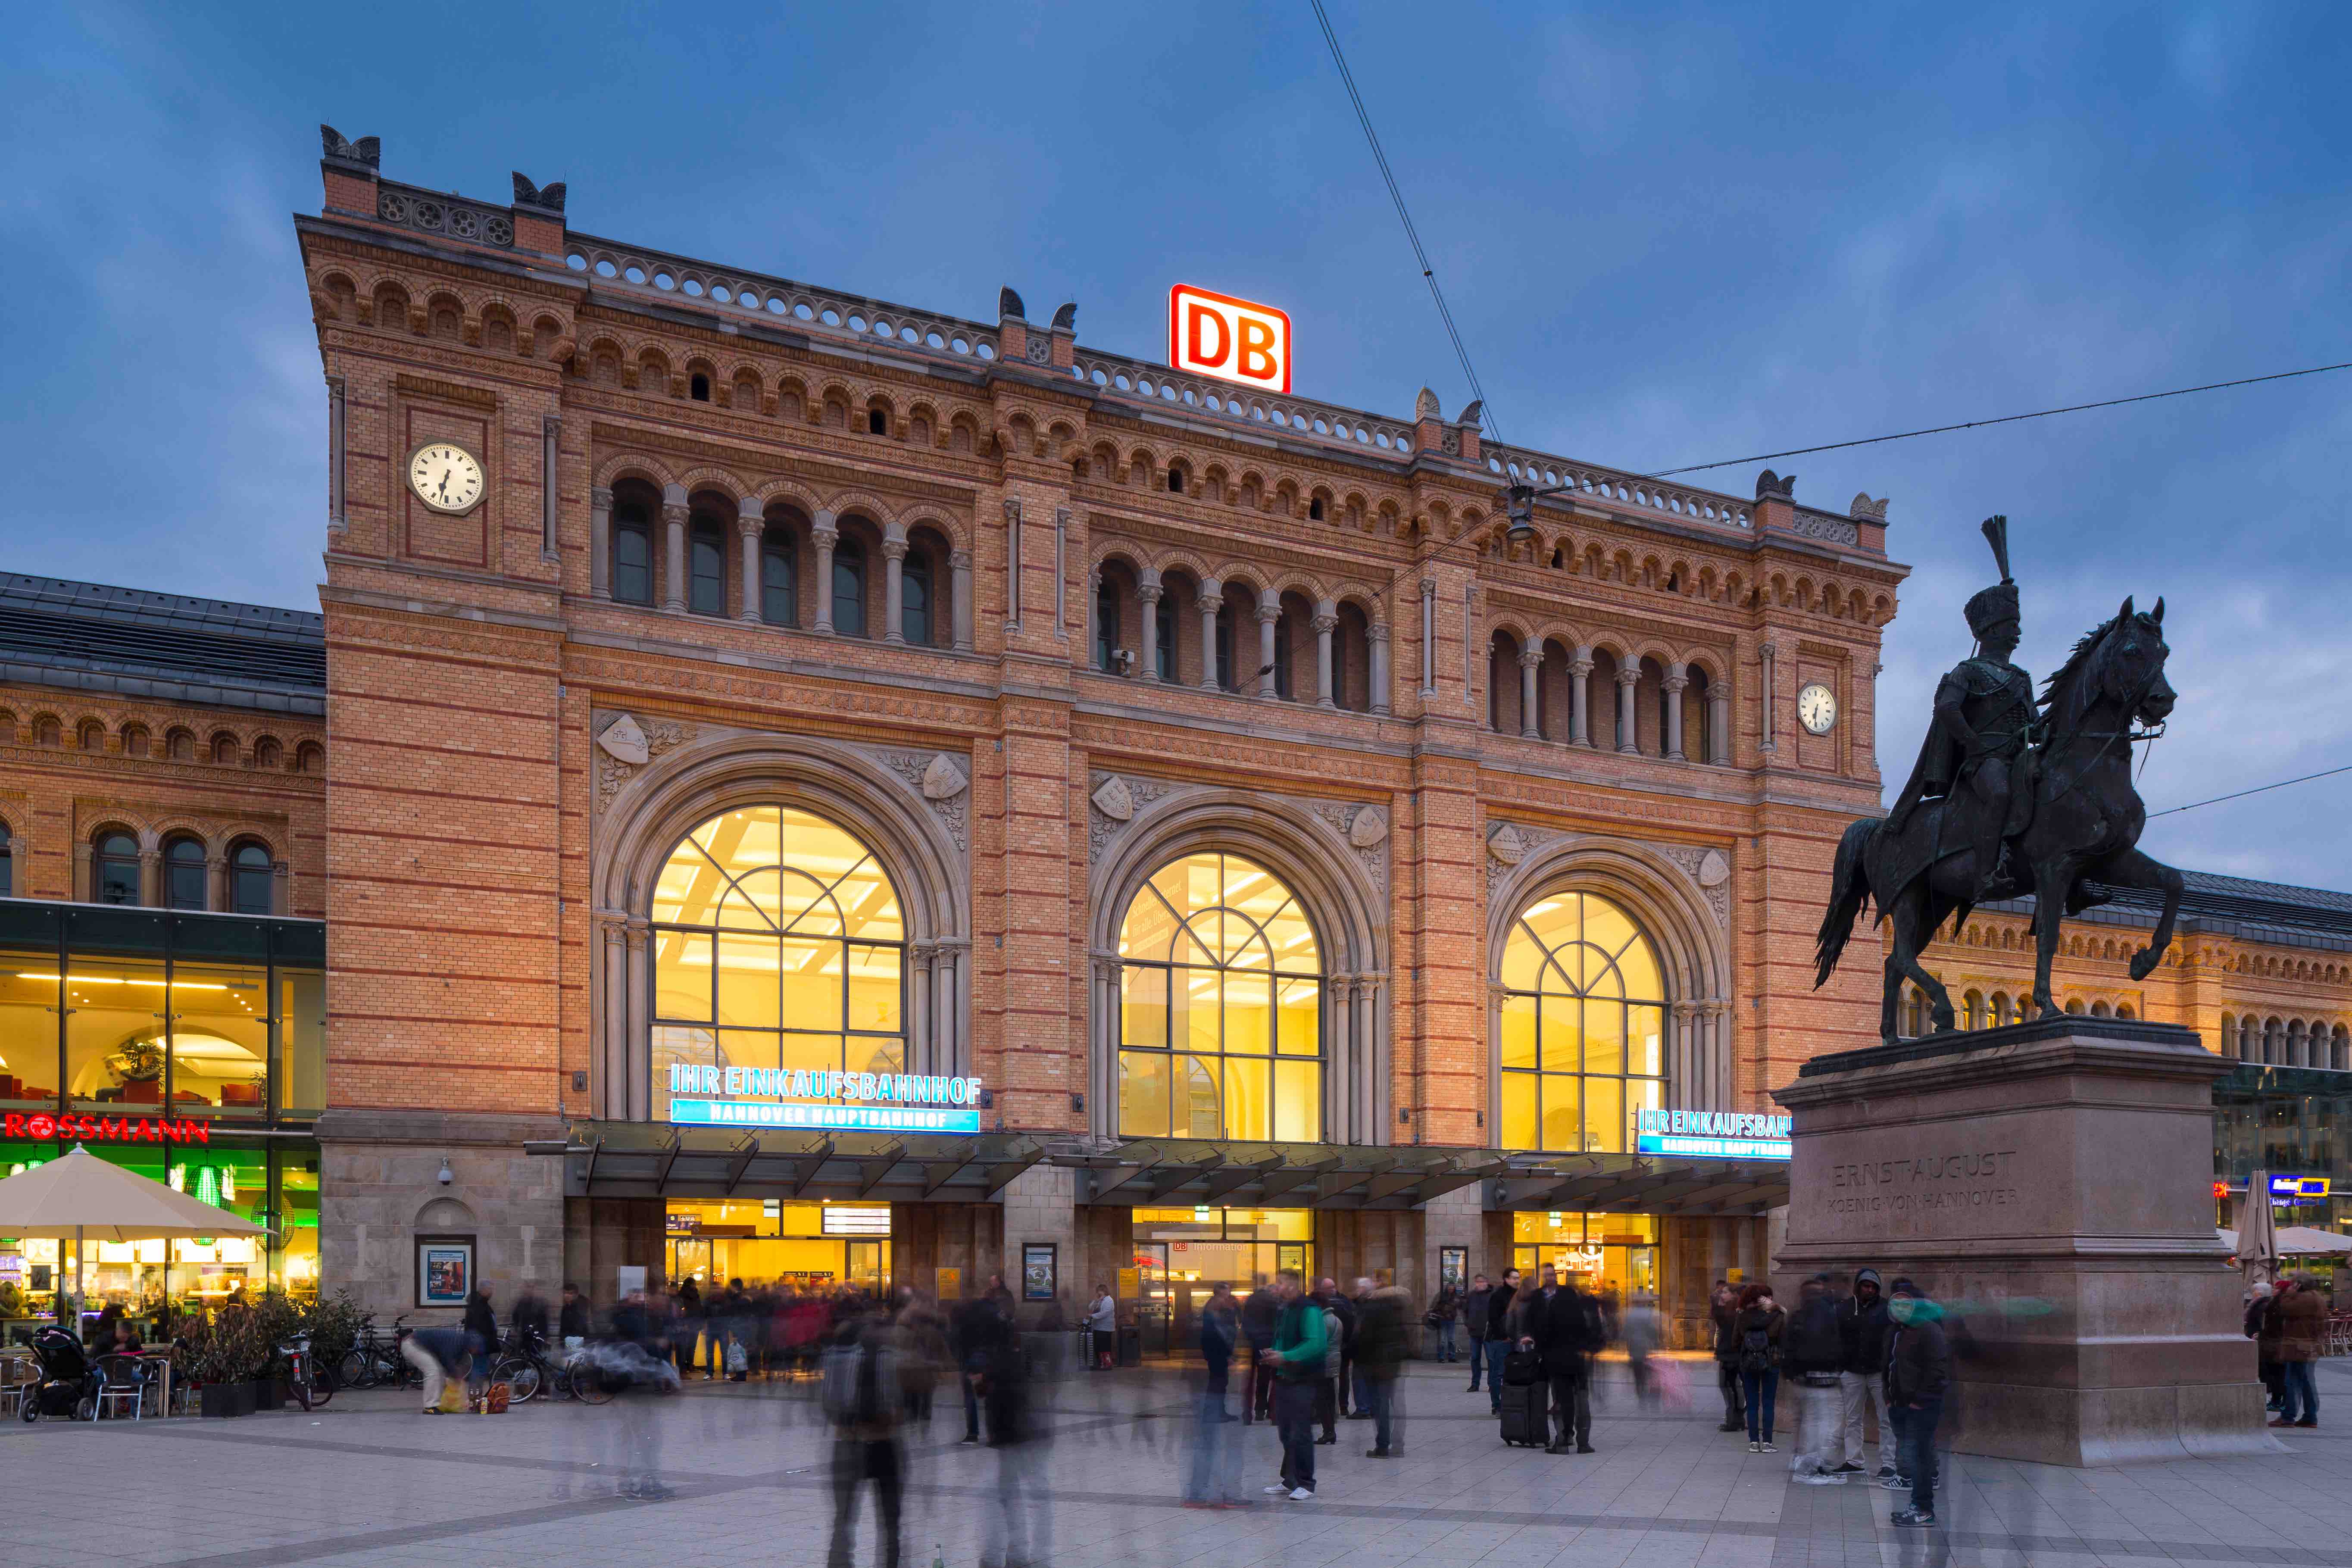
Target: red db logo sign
1232,340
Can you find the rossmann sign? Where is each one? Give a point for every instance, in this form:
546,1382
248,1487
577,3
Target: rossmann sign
1232,340
105,1129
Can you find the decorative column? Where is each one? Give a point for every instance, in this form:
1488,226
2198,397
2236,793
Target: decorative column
1429,637
1339,1113
1718,723
894,581
1629,675
1211,599
960,566
634,1098
1269,610
1676,678
1061,572
338,505
151,877
1012,563
920,1052
1580,688
614,1016
673,550
1530,667
1326,621
824,536
1094,615
550,429
1772,659
281,888
1379,640
1148,592
1684,1055
217,883
599,541
750,524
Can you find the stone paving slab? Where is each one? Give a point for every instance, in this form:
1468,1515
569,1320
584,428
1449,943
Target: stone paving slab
368,1481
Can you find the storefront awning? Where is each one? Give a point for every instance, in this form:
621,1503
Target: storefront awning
655,1160
1199,1173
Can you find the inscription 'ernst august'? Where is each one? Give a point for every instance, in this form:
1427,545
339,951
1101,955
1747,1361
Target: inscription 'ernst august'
1892,1186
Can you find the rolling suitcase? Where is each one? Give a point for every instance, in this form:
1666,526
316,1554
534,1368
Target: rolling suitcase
1521,1368
1524,1414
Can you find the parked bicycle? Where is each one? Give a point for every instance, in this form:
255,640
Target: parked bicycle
311,1385
527,1370
375,1359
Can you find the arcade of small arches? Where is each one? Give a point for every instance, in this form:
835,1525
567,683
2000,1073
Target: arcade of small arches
701,550
2287,1043
1177,625
176,743
1979,1009
1611,698
228,872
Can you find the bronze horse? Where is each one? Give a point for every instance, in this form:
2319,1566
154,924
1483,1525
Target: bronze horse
2085,827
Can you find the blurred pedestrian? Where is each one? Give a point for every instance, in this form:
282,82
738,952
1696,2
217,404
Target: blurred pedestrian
1444,1309
1299,1356
1379,1360
436,1353
1214,1478
2262,1328
2303,1340
1474,1324
1499,1336
1918,1368
687,1315
482,1340
978,1324
1723,1309
1564,1327
1641,1342
1018,1529
1102,1318
923,1353
863,1399
1812,1353
1344,1347
1862,1326
1258,1315
1756,1331
1328,1396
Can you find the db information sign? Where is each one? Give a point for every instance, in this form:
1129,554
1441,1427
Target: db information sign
1232,340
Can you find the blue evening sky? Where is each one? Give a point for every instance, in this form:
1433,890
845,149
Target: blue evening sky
1671,233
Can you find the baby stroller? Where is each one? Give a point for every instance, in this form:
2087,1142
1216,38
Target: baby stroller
69,1384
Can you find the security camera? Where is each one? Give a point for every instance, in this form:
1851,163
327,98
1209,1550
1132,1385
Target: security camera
446,1175
1125,660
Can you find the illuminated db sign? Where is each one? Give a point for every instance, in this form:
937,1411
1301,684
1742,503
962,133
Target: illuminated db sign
1232,340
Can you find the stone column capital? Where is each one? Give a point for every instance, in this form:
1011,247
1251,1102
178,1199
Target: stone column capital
1628,673
1380,631
674,512
1150,593
1684,1011
1676,680
1326,622
894,549
749,525
751,509
600,496
1531,656
1210,595
823,533
1268,614
959,559
1581,665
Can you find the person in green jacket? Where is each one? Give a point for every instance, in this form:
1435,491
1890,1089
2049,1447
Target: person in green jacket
1296,1356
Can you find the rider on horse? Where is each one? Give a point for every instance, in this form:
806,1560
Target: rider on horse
1973,757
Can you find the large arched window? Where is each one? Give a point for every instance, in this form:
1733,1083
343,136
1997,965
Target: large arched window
183,874
777,943
779,588
915,599
849,588
249,873
1220,1016
1584,1038
633,556
707,568
114,869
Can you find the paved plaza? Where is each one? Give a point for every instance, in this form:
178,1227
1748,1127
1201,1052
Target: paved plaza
368,1480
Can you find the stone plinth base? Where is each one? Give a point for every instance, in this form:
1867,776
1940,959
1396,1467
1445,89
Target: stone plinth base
2051,1184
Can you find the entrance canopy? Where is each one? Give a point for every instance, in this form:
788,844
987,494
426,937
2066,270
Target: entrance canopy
1645,1184
653,1159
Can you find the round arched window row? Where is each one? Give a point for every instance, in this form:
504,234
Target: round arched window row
1583,1027
777,941
1221,1014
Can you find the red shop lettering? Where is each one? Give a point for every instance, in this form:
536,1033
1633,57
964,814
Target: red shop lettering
105,1129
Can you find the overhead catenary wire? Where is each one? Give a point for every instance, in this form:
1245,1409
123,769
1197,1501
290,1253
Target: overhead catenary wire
2002,419
2258,789
1396,194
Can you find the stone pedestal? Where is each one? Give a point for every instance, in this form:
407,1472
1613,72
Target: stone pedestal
2051,1183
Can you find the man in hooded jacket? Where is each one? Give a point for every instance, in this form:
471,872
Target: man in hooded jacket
1862,1326
1918,1367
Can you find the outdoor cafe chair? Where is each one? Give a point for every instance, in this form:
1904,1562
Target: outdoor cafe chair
121,1378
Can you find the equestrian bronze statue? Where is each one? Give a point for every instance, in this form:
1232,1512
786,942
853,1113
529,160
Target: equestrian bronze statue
2012,796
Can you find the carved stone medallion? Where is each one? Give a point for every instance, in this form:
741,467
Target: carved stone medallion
624,740
943,780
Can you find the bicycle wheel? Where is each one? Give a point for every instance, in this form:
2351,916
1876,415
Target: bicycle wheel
591,1387
356,1371
322,1385
520,1375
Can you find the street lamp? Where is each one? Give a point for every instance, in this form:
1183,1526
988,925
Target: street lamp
1520,503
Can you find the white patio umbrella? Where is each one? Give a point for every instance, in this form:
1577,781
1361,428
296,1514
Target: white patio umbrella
82,1196
2304,1241
2258,1250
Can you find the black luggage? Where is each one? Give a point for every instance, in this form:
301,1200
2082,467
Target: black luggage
1521,1368
1524,1417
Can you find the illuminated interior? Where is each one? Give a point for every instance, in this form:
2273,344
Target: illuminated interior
1221,1020
777,941
1583,1027
1611,1254
772,1243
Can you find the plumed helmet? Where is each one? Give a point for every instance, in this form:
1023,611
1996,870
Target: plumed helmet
1990,606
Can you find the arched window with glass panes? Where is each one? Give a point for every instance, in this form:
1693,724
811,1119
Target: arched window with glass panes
777,941
1583,1027
1220,1016
114,869
249,875
183,874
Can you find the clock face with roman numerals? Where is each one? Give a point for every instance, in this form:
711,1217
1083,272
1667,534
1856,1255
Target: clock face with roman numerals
1817,708
445,477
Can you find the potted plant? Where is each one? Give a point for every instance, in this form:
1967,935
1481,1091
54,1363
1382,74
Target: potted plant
219,1363
139,1065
